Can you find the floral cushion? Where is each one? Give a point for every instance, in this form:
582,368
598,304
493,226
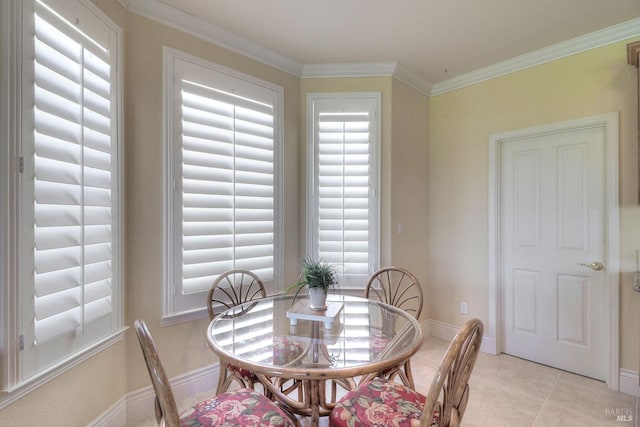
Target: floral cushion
285,350
243,407
380,403
377,343
245,374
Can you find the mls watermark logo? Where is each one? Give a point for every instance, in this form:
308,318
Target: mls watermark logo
620,414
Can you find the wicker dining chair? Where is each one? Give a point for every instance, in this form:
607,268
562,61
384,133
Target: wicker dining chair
248,406
232,288
398,287
398,405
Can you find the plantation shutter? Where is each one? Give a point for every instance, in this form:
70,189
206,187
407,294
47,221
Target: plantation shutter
345,228
72,157
228,185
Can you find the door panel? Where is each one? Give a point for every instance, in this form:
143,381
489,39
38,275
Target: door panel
552,213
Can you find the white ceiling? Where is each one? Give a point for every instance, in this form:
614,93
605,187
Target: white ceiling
433,39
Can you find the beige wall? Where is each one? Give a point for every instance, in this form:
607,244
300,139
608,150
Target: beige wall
409,182
591,83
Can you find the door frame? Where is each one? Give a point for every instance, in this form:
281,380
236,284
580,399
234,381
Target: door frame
609,123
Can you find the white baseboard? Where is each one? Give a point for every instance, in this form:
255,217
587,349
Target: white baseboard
115,416
137,406
629,382
447,331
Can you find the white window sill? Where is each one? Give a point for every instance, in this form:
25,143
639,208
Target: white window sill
17,391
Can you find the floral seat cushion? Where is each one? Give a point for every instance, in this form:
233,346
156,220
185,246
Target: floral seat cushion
243,373
377,343
243,407
380,403
285,350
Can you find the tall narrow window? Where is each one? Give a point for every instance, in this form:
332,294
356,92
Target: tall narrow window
224,175
343,213
69,211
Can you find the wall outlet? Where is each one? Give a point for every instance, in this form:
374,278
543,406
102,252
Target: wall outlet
463,308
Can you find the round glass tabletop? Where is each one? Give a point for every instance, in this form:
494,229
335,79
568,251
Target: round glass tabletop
280,336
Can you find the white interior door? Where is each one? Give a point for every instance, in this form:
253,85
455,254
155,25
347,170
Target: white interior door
552,218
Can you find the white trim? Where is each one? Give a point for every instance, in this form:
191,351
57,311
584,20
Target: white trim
364,69
629,383
7,397
140,402
174,309
114,416
172,17
412,79
137,406
554,52
447,332
367,69
13,387
10,119
376,162
612,225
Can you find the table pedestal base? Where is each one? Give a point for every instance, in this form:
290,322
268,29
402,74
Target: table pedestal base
314,402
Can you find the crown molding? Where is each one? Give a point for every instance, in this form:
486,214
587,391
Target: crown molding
367,69
573,46
172,17
409,77
356,69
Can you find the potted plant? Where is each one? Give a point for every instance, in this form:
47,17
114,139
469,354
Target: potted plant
318,277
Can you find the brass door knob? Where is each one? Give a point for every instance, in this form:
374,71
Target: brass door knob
596,266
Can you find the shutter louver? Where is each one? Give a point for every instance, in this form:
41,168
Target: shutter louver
73,186
228,186
343,191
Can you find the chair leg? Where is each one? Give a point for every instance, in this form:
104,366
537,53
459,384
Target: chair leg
226,378
223,384
408,376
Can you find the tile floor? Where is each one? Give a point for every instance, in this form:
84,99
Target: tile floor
506,391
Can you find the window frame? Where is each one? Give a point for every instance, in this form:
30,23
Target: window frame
374,98
13,112
170,313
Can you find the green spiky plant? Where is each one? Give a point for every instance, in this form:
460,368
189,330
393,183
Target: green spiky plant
315,274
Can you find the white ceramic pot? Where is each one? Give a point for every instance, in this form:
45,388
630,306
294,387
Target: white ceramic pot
317,299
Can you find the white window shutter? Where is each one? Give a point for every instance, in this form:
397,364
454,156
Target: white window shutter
344,213
228,186
225,208
72,178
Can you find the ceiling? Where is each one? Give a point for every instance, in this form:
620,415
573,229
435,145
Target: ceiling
433,39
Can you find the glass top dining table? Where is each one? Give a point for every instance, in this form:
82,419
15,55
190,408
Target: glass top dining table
280,339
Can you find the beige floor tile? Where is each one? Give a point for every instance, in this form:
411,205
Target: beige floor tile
493,405
588,396
554,414
518,376
506,391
